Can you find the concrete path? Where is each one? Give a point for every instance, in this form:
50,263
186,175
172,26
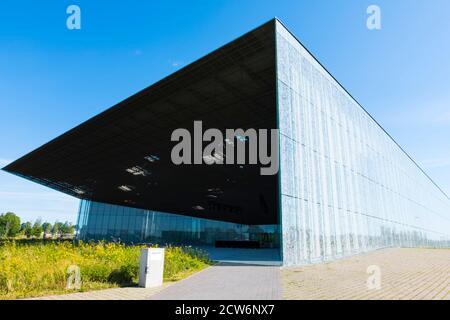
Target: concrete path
224,281
130,293
227,281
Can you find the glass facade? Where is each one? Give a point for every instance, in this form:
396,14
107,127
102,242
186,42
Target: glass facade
346,186
101,221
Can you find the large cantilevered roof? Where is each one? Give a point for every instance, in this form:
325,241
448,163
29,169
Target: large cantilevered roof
122,155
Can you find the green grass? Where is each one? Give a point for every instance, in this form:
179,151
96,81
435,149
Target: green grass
36,268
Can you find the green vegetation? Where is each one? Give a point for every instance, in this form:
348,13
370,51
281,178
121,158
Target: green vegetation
11,228
34,268
9,225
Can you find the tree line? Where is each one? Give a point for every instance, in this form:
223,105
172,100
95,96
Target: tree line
11,227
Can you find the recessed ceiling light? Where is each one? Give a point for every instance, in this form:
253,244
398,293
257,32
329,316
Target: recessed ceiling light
126,188
151,158
137,171
78,191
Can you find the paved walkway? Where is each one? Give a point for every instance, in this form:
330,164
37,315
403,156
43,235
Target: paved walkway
131,293
227,282
405,274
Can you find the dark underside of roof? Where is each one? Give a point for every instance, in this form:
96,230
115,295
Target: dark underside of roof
233,87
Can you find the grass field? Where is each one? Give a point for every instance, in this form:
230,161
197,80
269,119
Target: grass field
36,268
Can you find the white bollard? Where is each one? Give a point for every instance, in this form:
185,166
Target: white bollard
151,267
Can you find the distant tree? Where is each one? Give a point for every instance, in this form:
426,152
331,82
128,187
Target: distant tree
21,232
37,228
47,228
9,225
67,228
27,229
56,230
2,228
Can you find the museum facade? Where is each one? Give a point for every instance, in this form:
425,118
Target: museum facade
343,187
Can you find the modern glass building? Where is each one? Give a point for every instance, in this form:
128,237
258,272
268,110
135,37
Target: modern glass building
101,221
344,186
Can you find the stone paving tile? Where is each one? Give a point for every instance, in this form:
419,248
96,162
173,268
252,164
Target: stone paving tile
227,282
129,293
405,274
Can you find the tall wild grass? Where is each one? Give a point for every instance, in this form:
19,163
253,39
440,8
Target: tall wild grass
35,268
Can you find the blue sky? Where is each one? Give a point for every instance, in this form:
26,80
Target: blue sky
52,78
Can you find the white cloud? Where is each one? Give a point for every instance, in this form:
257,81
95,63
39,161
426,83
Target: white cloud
31,201
53,196
4,162
175,63
30,205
